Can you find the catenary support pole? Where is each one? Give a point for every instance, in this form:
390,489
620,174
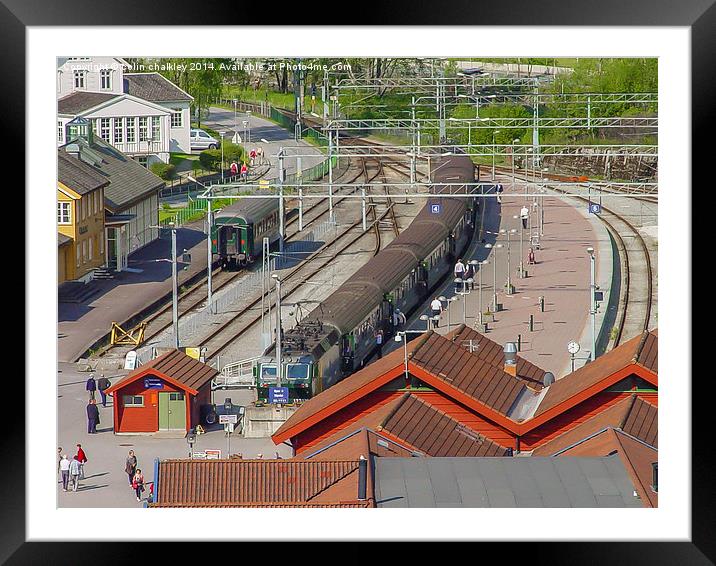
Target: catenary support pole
209,257
175,306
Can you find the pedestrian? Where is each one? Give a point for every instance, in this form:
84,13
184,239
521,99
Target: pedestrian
92,417
75,469
398,317
253,157
234,168
459,269
130,466
138,483
82,458
103,384
91,386
260,155
531,257
244,171
59,459
524,215
65,471
470,274
437,308
500,188
379,342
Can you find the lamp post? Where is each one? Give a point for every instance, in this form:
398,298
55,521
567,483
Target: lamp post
248,129
426,319
209,255
279,360
514,141
509,280
236,127
190,440
494,151
175,302
401,335
465,291
245,123
482,263
444,299
593,303
521,267
222,154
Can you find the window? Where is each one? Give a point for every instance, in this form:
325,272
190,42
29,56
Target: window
84,251
142,160
77,247
176,119
176,396
80,79
104,129
91,241
143,129
60,132
105,79
156,128
118,130
130,130
101,243
63,212
133,400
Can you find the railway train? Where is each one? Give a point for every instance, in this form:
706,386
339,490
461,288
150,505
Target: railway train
338,336
238,230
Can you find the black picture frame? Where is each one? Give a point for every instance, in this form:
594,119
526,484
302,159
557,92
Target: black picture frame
699,15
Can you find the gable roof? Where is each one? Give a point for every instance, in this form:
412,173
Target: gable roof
177,368
633,415
493,353
77,175
620,359
257,483
62,240
129,182
636,456
153,87
80,101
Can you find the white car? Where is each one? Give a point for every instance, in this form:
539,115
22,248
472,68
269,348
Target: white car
201,140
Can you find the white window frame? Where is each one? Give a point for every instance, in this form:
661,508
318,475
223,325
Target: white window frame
177,119
60,131
131,125
62,208
105,74
118,136
132,403
143,128
156,128
79,78
105,127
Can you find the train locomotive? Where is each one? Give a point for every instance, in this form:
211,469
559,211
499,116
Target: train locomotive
239,229
338,336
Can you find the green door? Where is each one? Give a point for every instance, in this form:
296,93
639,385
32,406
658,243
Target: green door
172,411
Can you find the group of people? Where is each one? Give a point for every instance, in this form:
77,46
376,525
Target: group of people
71,471
236,170
134,474
92,385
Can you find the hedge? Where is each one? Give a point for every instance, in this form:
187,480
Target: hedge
165,171
211,158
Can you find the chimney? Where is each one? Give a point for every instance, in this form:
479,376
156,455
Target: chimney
362,477
510,351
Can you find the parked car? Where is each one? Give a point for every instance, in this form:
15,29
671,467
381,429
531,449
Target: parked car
201,140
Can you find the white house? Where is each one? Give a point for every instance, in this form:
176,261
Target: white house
142,114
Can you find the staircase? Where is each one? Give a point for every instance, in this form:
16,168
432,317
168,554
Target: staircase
75,292
103,273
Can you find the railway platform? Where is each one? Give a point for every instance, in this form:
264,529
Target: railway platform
561,275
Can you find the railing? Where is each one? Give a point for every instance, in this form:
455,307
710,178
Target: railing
236,374
143,147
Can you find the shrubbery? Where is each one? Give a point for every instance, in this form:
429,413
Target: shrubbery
210,159
165,171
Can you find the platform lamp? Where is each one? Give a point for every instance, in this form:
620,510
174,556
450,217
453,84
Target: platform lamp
426,319
191,439
592,303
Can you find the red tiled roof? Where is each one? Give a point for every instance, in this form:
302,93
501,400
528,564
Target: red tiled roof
633,415
608,364
176,367
636,456
260,483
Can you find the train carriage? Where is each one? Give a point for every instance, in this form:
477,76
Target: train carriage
239,229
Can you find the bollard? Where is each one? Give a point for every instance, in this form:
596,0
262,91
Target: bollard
519,342
532,322
541,304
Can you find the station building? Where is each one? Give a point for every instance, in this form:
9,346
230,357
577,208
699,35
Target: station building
166,393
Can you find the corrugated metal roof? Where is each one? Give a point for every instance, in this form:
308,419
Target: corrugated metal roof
503,482
78,102
176,365
153,87
235,483
592,373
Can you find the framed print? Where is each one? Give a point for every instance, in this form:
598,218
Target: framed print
184,139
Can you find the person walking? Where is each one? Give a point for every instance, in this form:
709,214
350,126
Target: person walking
65,471
437,307
130,466
82,458
91,386
524,215
103,384
244,171
75,470
469,273
92,417
379,342
234,169
499,189
531,257
59,461
138,484
459,269
252,155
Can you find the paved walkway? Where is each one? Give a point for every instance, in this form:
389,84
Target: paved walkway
561,276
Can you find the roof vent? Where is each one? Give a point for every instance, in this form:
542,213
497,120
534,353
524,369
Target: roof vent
73,149
548,378
510,351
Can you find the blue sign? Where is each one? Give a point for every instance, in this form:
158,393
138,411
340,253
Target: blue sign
278,395
435,208
153,383
595,208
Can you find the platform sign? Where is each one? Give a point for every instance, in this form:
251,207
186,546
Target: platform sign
595,208
193,352
212,454
435,208
278,395
263,183
153,383
130,361
225,419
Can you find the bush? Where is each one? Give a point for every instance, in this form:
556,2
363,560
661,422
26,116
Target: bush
210,159
165,171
